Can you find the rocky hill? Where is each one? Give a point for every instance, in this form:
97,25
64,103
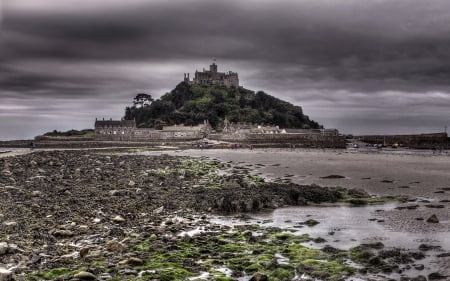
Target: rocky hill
191,104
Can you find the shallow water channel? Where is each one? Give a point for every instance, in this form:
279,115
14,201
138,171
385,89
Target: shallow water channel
344,227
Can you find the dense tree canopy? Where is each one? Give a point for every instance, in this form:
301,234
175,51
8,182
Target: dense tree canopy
191,104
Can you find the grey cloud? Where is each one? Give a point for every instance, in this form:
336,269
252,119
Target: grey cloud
310,52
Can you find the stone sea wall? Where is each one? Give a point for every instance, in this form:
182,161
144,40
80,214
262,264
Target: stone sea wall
299,140
256,140
425,141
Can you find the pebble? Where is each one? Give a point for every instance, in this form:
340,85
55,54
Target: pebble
84,252
135,261
3,248
118,219
63,233
5,274
433,219
36,193
114,246
419,267
84,275
10,223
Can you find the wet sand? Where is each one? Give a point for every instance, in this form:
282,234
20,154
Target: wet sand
425,179
379,174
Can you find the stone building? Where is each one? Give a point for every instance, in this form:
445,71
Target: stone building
126,130
245,128
212,77
114,127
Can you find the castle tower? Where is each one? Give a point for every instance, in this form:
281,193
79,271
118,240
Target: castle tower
213,68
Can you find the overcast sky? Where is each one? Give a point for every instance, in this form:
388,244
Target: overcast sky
379,66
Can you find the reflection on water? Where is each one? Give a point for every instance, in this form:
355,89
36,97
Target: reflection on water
342,226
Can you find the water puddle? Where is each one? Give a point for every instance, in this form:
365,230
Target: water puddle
344,227
341,226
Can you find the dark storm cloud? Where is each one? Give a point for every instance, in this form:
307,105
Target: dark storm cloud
349,53
350,41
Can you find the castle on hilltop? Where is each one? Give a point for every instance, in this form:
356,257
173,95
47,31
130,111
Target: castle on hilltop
213,78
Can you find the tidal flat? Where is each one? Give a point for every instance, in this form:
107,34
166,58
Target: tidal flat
219,215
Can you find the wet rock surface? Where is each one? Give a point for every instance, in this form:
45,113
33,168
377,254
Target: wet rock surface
84,215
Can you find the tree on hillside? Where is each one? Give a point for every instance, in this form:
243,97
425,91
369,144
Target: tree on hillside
192,104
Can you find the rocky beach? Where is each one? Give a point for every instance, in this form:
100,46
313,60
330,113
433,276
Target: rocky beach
121,214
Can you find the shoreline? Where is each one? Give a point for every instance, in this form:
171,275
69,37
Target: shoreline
117,198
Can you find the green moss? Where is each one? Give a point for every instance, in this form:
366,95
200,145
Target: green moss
329,270
257,179
55,273
281,274
311,222
223,278
254,267
143,246
360,254
178,260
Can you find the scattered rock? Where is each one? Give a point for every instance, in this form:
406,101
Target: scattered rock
319,240
433,219
436,276
427,247
358,201
436,206
36,193
310,222
259,277
10,223
114,246
135,261
358,193
408,207
5,274
375,245
443,255
330,250
3,248
62,233
118,219
158,211
84,252
333,177
418,278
